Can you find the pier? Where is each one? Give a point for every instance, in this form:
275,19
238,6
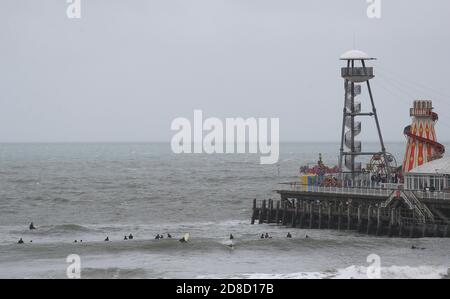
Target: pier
372,211
379,198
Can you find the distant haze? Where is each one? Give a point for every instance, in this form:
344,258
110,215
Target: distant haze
126,69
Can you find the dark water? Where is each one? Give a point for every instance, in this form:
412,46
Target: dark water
90,191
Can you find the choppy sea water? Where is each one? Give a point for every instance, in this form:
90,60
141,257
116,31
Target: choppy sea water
90,191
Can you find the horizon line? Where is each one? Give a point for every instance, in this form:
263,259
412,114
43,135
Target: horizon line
168,142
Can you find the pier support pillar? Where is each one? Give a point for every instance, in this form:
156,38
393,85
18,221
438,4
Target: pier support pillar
339,215
424,229
254,211
349,216
435,230
283,219
277,213
379,222
329,215
320,216
294,214
262,212
302,213
391,222
269,211
369,219
411,229
359,219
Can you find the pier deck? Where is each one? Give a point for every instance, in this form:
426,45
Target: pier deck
377,211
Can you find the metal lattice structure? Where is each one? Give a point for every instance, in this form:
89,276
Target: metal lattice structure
356,76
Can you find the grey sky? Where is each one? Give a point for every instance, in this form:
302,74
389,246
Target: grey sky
127,68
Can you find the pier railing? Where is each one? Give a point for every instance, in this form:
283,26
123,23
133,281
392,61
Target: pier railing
335,190
432,195
374,191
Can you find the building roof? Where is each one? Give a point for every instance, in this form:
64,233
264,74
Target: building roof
439,166
355,55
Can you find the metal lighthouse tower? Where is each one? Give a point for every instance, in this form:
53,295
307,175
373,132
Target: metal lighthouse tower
356,74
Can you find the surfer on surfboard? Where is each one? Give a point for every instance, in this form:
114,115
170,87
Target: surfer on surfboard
185,238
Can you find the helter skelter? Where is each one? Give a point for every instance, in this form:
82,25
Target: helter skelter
422,146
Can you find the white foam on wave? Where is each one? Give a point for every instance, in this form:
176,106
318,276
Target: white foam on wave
355,272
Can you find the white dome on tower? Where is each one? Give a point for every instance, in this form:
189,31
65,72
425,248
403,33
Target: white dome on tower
356,55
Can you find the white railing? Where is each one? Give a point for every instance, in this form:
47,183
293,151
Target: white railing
432,195
336,190
376,191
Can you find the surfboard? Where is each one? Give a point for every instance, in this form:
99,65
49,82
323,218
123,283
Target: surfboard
229,244
185,238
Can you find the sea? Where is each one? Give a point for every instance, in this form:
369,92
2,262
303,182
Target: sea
90,191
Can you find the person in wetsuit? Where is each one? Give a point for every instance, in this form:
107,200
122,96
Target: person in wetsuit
231,237
130,237
169,236
20,241
107,239
288,235
32,226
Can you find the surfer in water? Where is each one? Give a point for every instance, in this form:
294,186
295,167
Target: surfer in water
169,236
231,237
262,236
419,248
125,238
107,239
20,241
185,238
130,237
157,237
289,236
32,226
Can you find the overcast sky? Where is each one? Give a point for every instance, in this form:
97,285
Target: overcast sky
126,69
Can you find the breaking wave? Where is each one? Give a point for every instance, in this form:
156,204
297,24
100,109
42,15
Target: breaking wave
354,272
